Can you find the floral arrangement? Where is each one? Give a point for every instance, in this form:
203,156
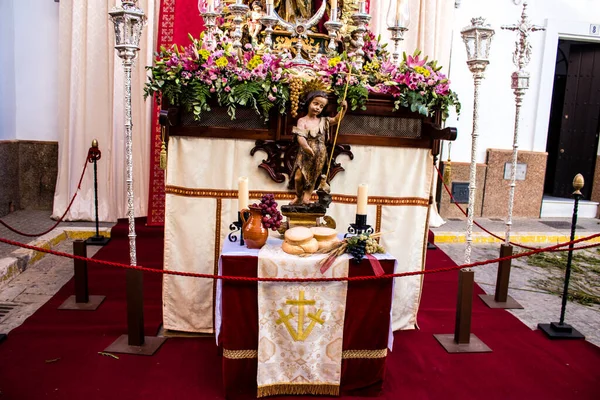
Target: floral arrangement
198,76
271,217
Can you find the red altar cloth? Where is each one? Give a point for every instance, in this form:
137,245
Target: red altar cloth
366,327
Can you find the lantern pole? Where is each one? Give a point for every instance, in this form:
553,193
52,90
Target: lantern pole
477,38
519,85
129,21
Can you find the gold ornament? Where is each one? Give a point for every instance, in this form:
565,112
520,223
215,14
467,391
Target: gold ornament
163,151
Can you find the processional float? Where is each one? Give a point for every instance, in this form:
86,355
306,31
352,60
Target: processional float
212,104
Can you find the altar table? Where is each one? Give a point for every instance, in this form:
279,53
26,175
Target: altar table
367,334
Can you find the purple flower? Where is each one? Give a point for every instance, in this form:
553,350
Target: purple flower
173,61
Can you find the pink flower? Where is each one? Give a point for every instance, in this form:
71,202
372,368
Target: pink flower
227,89
412,62
212,90
271,98
274,89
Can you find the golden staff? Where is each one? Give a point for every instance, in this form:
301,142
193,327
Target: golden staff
337,130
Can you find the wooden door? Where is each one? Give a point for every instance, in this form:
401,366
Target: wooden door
578,139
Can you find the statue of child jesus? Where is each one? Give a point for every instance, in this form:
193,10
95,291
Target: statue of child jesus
312,133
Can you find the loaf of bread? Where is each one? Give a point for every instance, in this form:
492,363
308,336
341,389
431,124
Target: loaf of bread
326,237
299,241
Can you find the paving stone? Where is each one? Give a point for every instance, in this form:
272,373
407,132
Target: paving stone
9,292
32,298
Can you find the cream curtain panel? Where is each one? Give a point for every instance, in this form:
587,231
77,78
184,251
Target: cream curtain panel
430,31
430,28
91,106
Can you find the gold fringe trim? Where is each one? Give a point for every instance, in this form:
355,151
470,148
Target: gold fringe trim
217,254
380,353
315,389
239,354
346,354
256,194
378,220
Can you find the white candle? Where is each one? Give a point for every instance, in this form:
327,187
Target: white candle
242,193
333,5
362,6
269,2
361,204
210,5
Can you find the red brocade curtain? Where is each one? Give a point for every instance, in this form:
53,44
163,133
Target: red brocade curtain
177,18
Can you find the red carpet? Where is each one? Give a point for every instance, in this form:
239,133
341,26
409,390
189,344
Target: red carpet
523,364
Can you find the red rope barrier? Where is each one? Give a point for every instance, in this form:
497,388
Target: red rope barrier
64,214
349,279
474,222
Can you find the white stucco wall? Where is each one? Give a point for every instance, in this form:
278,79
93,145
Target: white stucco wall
36,69
7,72
568,19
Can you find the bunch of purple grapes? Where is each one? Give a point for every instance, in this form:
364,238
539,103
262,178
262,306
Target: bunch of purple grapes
271,216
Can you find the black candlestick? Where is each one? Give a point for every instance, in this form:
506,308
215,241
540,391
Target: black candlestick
235,227
94,155
360,226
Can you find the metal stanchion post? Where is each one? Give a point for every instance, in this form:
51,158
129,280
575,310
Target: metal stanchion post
94,155
560,330
81,300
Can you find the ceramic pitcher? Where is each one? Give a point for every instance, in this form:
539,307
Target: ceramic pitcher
255,234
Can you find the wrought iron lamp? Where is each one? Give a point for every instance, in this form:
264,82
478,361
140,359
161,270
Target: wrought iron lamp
398,19
477,38
129,21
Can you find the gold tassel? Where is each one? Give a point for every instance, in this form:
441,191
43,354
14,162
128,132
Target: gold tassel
163,151
448,173
314,389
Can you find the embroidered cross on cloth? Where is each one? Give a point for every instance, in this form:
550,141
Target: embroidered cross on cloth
301,325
